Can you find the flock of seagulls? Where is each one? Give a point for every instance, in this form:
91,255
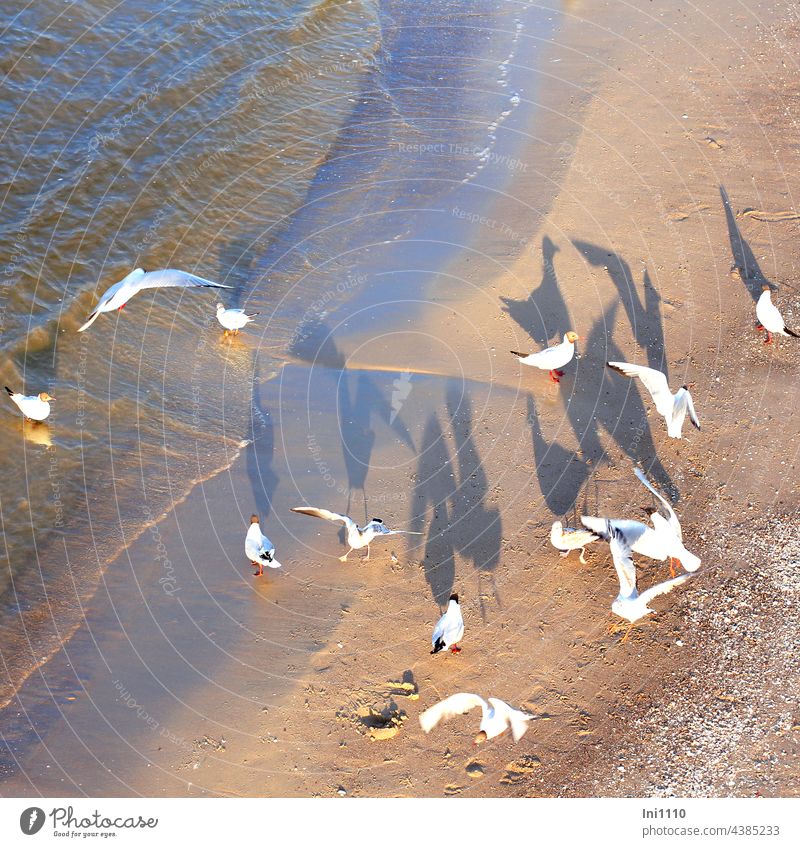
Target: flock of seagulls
661,540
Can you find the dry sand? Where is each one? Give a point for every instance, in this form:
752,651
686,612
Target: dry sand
640,255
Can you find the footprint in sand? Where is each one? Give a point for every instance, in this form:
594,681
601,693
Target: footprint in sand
475,770
519,769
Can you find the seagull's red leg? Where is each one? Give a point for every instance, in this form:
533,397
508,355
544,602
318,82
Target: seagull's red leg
625,637
672,571
553,376
560,373
759,327
454,648
769,338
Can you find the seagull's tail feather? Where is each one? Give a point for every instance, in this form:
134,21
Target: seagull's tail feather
792,332
521,355
92,318
10,392
519,724
438,646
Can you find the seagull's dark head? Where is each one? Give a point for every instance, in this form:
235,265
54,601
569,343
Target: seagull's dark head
253,519
454,597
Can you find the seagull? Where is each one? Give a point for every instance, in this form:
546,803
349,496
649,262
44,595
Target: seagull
34,408
259,548
629,604
450,628
663,540
551,358
357,537
119,294
769,318
233,319
672,407
570,539
496,718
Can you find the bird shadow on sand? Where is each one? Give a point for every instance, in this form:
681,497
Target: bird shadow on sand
450,495
644,316
745,263
360,403
615,406
543,314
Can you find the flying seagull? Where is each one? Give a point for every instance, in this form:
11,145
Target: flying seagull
357,537
661,541
673,407
552,358
496,716
629,604
119,293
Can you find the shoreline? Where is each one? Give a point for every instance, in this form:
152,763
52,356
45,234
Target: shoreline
516,451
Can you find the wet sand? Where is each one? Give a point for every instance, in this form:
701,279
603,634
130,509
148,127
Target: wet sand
309,681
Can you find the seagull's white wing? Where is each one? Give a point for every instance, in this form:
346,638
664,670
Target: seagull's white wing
663,587
518,721
623,562
654,381
324,514
633,530
673,518
457,704
171,278
131,279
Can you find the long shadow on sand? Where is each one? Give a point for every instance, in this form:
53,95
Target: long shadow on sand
644,317
455,492
259,456
744,260
561,472
543,314
359,398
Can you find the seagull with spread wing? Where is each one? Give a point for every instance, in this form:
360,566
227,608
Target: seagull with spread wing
496,716
672,407
357,537
663,540
138,280
629,604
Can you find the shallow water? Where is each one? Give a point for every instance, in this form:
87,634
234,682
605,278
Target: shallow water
284,149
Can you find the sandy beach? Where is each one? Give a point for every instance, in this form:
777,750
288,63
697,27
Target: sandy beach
644,209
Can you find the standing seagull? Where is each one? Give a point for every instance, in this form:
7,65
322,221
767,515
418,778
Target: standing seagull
119,293
259,548
233,319
356,537
35,408
450,628
569,539
629,604
551,358
671,407
496,718
769,318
